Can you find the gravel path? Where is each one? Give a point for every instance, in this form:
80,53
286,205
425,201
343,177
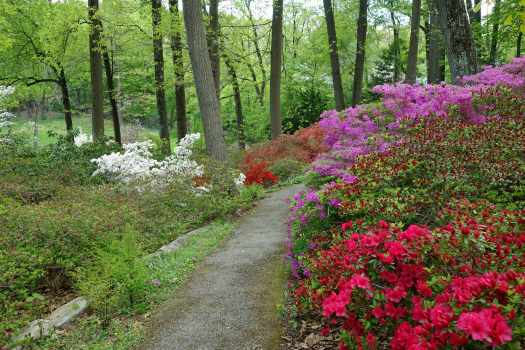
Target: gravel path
230,301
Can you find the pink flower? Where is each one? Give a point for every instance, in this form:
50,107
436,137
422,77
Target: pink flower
486,325
361,281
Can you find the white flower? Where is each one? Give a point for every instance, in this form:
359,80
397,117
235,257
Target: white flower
82,139
239,181
136,165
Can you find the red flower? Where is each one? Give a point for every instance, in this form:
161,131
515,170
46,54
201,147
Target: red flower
441,315
486,325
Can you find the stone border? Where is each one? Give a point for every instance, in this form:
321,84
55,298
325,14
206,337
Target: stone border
66,313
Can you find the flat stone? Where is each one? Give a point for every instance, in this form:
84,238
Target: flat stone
68,312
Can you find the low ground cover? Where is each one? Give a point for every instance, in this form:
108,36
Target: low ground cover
62,223
411,234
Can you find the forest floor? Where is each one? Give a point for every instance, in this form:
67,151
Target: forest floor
232,299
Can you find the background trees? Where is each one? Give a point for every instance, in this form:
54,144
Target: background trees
44,50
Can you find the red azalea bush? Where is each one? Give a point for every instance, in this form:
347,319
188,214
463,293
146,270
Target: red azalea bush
460,285
302,146
258,173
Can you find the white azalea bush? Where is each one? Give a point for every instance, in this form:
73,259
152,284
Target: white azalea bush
82,138
135,165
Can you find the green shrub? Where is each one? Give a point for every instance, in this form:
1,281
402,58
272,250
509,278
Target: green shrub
286,169
118,278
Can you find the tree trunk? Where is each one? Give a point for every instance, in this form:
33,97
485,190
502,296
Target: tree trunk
158,58
95,59
334,57
435,47
66,102
362,22
178,66
203,76
214,45
495,33
397,47
476,18
112,96
414,42
460,46
276,65
238,103
518,44
258,51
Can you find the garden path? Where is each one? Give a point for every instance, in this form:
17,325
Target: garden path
231,300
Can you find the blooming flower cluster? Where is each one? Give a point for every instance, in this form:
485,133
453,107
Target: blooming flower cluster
5,117
258,173
136,165
82,139
415,237
421,289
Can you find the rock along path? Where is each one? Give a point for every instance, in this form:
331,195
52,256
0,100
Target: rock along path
230,301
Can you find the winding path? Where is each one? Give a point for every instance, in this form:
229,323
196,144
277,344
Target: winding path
231,300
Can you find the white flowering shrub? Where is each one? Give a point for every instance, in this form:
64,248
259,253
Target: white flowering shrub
81,139
136,165
239,181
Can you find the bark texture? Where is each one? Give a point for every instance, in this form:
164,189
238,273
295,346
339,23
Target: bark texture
66,101
334,56
362,23
112,95
238,103
518,44
414,42
204,83
158,59
95,59
214,36
178,66
276,65
396,44
493,56
459,43
436,50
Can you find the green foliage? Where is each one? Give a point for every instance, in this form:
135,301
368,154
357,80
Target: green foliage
118,278
286,168
304,107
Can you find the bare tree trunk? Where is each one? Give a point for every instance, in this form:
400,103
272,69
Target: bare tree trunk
334,57
362,23
158,58
238,103
214,45
461,49
66,102
518,44
178,67
397,46
276,65
258,51
112,96
414,42
435,46
204,83
495,33
258,92
97,85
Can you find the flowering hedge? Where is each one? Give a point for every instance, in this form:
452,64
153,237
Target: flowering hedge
414,235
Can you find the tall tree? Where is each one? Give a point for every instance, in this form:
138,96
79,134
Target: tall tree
495,33
95,59
178,67
258,51
435,50
334,56
112,96
238,102
203,76
276,65
518,44
362,23
414,41
459,43
396,43
214,36
158,58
